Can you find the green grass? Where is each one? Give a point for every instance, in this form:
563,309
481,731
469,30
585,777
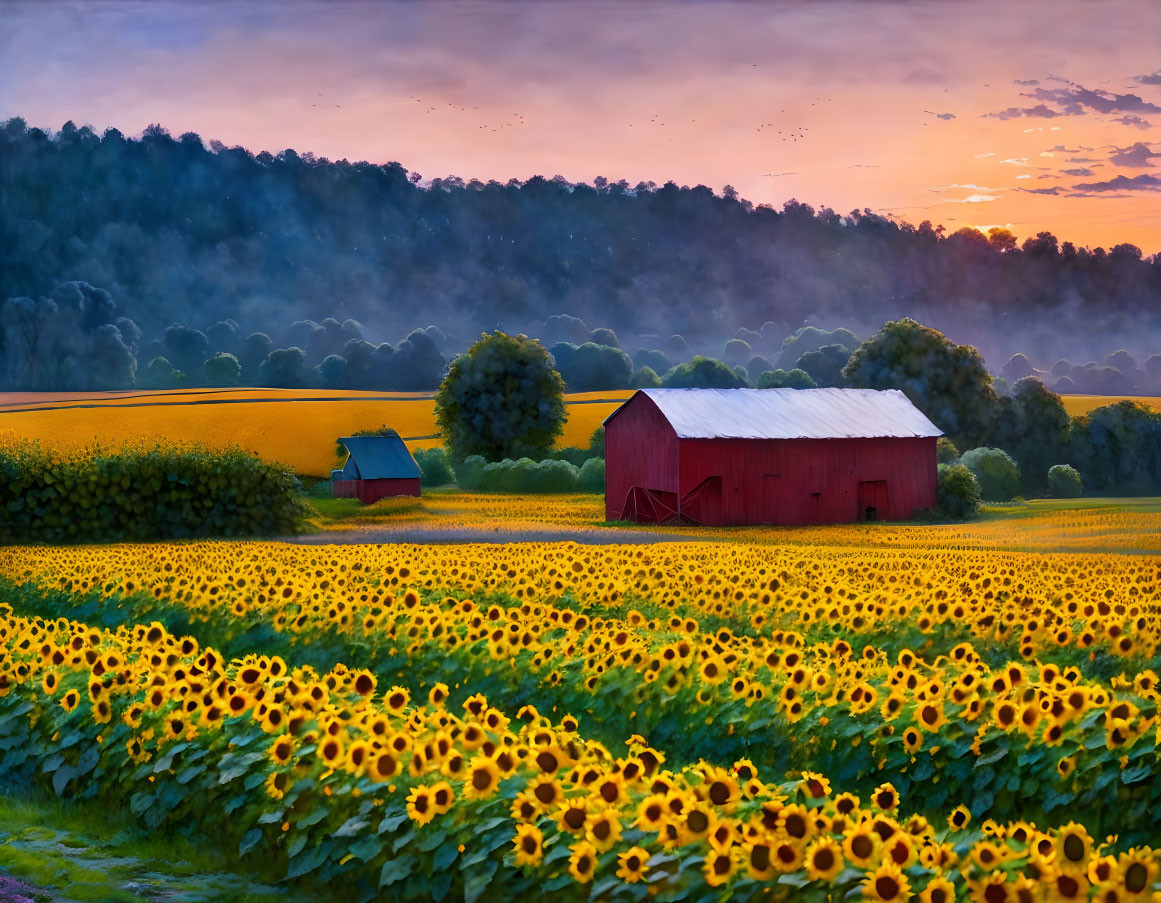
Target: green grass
91,855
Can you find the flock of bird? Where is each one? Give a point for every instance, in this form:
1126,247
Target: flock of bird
792,134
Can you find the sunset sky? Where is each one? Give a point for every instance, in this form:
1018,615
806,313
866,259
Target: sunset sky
1033,115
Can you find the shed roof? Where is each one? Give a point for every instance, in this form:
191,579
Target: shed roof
790,413
381,458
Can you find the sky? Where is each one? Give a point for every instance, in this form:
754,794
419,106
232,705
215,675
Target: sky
1024,114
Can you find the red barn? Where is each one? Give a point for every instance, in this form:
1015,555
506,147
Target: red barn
376,467
768,456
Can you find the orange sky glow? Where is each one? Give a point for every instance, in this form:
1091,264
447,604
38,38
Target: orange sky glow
1031,115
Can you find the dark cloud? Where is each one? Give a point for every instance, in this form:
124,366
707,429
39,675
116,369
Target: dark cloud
1099,101
940,115
1134,121
1154,79
1081,160
1026,82
1143,182
1136,155
1040,111
1058,78
1055,189
1082,171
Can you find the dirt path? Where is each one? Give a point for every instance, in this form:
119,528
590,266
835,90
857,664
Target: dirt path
426,535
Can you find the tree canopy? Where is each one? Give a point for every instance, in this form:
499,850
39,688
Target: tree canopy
501,399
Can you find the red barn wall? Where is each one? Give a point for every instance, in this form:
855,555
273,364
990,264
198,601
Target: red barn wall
368,491
805,481
640,451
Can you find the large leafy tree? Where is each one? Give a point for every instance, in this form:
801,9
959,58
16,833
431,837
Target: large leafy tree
501,399
948,382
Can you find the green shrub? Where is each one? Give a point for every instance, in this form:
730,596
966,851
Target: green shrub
592,476
572,454
434,467
945,451
597,442
959,492
140,493
1064,482
519,475
997,473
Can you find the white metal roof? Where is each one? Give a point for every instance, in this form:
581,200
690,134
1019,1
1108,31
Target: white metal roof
791,413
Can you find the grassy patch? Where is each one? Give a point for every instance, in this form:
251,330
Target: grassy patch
91,854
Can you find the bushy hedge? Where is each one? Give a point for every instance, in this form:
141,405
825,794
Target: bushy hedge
997,473
959,492
519,475
1064,482
434,467
143,493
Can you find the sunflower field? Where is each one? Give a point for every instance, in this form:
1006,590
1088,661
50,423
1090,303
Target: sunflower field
679,721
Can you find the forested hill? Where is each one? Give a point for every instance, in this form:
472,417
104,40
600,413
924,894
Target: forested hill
180,231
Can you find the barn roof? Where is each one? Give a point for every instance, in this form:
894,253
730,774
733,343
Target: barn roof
380,458
791,413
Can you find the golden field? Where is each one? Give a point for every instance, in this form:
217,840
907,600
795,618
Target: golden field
277,424
1076,405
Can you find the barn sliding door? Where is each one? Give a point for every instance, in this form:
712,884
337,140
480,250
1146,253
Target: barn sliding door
872,499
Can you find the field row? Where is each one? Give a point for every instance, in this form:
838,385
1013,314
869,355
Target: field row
937,706
338,779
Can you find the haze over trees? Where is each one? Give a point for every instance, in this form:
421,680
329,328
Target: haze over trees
170,225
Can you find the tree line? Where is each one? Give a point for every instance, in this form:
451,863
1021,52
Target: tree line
168,225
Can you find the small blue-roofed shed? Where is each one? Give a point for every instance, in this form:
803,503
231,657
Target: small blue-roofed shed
377,467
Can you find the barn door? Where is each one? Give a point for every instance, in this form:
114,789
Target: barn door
872,499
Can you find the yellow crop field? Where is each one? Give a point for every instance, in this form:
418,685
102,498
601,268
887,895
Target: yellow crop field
523,715
296,427
1076,405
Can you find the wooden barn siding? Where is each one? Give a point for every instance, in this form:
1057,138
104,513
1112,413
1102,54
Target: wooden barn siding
775,480
640,450
368,491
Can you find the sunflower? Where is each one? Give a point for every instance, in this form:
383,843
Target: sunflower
987,855
281,750
603,830
383,766
759,861
815,786
885,797
1139,871
959,818
994,887
938,890
696,822
719,867
861,845
71,700
1070,885
277,785
886,883
1073,847
794,822
331,751
420,807
824,860
546,792
650,812
442,797
632,864
483,778
572,816
529,844
583,861
912,740
789,855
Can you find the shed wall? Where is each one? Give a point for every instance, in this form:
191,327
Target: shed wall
368,491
